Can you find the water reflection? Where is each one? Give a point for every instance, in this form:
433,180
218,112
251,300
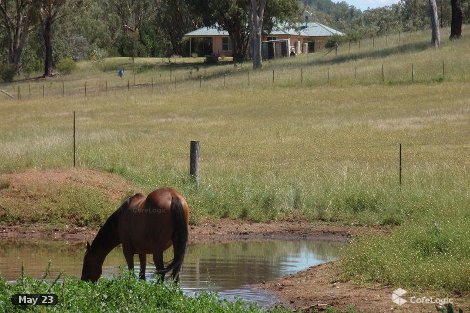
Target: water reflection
223,267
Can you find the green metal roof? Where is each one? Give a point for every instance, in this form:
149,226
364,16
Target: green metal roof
307,30
318,30
207,32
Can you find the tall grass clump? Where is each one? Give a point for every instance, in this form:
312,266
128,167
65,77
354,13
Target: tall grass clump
66,66
7,72
125,293
64,205
430,254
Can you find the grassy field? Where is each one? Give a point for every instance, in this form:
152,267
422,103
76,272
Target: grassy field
320,142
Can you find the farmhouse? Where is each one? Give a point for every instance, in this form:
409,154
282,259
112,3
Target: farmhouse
281,41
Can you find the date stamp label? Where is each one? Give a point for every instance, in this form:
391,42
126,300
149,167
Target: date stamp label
35,299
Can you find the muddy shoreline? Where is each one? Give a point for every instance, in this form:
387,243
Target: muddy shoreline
208,231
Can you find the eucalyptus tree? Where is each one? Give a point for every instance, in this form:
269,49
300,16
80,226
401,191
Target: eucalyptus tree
174,20
49,12
256,22
131,22
17,18
436,37
235,16
229,15
457,18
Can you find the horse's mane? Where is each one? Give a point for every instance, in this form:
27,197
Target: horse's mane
108,233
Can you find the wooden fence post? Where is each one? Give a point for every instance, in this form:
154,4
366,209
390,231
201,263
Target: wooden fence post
74,145
400,164
383,74
443,70
194,161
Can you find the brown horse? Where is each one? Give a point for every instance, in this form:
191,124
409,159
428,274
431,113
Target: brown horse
143,225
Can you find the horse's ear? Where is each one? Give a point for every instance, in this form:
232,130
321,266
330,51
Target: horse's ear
87,245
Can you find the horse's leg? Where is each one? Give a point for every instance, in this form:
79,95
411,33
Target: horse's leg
143,263
159,265
129,255
175,274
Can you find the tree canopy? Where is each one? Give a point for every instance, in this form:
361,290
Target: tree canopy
34,35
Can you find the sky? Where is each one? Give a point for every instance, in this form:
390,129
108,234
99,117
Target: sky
365,4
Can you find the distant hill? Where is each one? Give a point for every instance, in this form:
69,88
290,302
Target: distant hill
339,15
407,15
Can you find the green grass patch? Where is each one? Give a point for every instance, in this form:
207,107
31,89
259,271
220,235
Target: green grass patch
64,205
433,255
125,293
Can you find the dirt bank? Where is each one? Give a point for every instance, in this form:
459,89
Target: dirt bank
209,231
321,286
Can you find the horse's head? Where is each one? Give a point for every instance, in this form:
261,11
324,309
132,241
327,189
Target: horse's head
92,267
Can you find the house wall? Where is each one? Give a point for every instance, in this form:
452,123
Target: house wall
217,47
320,42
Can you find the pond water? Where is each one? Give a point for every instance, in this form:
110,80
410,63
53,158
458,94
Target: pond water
227,268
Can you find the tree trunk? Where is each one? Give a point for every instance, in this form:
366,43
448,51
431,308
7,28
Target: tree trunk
239,45
457,17
47,28
435,40
257,14
17,28
250,34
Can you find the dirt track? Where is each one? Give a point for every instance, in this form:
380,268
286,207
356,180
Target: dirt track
312,290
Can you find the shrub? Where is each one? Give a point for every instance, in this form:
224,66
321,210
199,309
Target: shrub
30,62
66,66
7,72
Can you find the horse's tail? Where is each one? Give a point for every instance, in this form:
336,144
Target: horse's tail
180,238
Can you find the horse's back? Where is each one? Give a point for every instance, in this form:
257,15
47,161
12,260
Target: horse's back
148,221
162,198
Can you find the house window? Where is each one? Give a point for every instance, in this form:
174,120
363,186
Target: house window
271,38
226,46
